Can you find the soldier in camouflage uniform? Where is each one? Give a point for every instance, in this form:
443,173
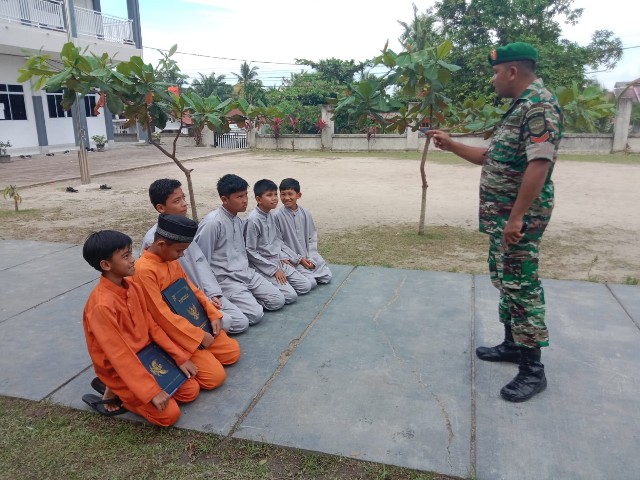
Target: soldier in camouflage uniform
516,201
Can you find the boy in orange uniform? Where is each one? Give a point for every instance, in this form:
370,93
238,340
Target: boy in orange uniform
156,270
117,325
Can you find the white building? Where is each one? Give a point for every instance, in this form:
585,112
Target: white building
33,121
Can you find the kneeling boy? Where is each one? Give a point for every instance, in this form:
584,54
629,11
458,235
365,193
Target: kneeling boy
117,325
156,270
166,196
266,251
300,234
221,240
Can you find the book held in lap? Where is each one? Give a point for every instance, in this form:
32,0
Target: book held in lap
184,302
163,368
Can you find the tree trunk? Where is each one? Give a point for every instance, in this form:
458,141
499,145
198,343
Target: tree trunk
425,185
185,170
15,201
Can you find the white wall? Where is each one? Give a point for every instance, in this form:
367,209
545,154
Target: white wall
59,130
96,126
21,133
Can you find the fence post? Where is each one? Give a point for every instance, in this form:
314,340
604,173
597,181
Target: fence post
251,137
621,125
207,137
328,131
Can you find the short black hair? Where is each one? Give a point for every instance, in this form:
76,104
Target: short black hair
526,66
160,190
102,245
263,186
290,184
231,183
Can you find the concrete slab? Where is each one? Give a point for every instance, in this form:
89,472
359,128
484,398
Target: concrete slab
383,375
376,366
629,298
17,252
217,411
44,347
26,285
581,427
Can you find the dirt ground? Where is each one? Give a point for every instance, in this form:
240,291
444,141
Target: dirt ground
594,227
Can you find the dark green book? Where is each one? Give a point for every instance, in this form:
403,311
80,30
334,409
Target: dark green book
184,302
163,368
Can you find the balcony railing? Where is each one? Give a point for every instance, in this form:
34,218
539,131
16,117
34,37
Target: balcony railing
47,14
90,23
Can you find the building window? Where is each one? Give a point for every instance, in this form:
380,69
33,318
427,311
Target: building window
54,102
12,105
90,105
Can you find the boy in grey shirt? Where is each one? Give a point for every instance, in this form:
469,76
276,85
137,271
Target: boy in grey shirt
266,250
221,240
300,234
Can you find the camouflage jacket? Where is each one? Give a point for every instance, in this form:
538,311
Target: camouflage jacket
531,129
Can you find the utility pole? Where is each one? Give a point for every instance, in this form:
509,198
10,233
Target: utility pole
83,159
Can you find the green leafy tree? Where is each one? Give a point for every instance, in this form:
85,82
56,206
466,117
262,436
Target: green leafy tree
420,75
476,26
207,85
584,109
335,70
138,90
248,86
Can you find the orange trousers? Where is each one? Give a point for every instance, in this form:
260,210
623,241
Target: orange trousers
223,351
187,392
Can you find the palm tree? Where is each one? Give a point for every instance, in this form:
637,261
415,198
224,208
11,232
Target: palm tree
207,85
246,76
421,32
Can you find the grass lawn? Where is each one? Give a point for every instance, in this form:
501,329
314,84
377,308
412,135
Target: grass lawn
40,440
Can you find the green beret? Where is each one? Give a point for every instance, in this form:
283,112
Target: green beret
512,52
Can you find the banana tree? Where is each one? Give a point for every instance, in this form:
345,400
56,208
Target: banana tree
132,87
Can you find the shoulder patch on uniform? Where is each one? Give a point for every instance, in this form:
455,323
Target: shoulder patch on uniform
536,121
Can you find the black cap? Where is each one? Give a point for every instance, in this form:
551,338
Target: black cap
177,228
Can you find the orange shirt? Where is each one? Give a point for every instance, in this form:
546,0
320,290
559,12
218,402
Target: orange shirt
154,275
117,326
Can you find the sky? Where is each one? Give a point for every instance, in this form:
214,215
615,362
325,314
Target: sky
272,34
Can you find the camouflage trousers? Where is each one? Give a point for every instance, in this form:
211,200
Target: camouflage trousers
514,272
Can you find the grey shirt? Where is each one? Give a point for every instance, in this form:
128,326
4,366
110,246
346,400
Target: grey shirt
265,246
299,232
221,240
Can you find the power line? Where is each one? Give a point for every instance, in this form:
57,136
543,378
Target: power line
223,58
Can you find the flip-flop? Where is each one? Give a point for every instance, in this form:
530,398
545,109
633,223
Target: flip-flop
72,190
98,386
97,403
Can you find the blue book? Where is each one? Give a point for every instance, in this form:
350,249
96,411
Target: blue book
184,302
163,368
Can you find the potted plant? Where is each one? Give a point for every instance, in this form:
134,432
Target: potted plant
100,141
4,156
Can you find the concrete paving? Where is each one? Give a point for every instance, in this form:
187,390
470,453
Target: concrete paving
378,366
119,157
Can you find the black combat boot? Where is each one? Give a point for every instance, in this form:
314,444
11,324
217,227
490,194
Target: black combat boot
530,379
507,351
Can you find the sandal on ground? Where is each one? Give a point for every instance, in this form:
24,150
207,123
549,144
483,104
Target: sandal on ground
72,190
98,404
98,386
104,186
